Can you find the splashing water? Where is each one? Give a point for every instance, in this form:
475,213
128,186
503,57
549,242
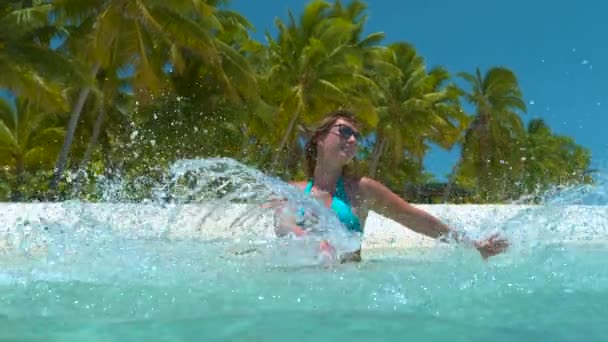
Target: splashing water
216,203
199,259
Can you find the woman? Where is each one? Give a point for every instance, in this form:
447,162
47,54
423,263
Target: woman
329,151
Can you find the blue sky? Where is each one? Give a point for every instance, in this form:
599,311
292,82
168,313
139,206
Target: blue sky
557,48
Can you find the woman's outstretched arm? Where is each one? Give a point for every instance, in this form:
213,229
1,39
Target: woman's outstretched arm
385,202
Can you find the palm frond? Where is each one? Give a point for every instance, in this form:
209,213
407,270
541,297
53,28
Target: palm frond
23,80
75,11
335,31
239,70
233,19
330,90
19,22
7,114
371,40
47,137
7,139
313,12
185,32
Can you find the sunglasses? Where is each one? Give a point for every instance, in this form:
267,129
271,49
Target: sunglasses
347,132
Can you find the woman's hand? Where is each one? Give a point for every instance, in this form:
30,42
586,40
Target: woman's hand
327,251
491,246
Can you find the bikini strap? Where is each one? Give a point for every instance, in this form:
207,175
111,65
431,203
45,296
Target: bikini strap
308,187
341,191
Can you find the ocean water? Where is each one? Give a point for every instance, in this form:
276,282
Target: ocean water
197,263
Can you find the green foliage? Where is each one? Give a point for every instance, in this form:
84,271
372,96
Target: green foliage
548,160
28,67
415,106
184,79
493,133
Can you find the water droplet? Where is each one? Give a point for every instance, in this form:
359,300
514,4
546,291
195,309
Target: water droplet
573,49
585,62
532,102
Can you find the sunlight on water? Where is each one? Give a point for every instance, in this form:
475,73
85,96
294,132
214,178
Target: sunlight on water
199,259
212,204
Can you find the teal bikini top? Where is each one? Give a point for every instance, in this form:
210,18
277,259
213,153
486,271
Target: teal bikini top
341,205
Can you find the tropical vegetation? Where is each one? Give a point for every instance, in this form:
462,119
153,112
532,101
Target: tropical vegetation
103,89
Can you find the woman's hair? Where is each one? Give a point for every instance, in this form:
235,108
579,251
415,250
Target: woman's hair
310,149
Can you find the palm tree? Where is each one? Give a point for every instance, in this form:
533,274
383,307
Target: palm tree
314,65
414,107
29,139
28,68
142,37
550,160
487,142
111,102
225,111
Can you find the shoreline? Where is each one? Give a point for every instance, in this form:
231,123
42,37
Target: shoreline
212,221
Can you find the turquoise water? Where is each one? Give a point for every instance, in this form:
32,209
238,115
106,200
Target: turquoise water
558,294
79,278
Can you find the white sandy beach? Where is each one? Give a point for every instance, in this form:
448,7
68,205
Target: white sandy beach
18,221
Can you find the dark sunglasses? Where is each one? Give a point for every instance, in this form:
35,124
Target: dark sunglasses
347,132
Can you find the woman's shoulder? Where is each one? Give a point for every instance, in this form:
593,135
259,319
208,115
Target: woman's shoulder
357,185
360,182
367,187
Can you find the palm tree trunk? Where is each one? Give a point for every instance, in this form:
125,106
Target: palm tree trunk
16,194
69,136
377,152
93,142
285,139
483,164
452,179
246,141
466,141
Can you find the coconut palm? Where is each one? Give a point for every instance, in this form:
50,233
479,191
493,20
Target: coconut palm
415,107
28,68
142,37
314,65
111,102
496,126
550,160
29,139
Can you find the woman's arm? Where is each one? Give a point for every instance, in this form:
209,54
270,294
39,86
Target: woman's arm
285,221
383,201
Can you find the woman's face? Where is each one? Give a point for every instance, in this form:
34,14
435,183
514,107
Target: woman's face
340,142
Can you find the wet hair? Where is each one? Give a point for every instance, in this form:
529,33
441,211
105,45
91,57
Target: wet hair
318,133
